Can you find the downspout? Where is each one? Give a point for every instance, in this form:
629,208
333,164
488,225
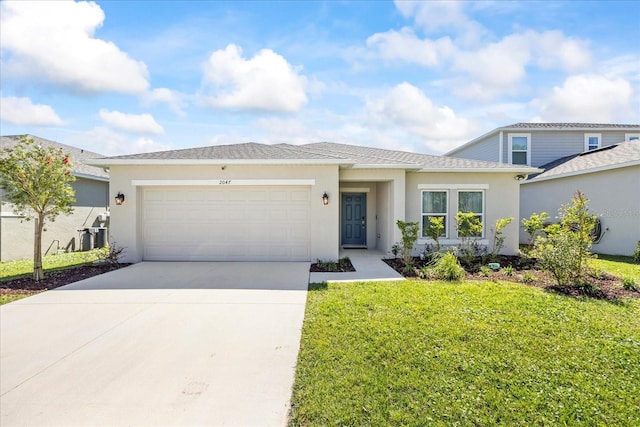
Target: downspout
501,147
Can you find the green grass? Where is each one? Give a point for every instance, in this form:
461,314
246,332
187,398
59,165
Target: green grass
13,269
618,265
5,299
477,353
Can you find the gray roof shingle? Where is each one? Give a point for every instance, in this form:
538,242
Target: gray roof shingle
618,155
347,155
555,126
77,155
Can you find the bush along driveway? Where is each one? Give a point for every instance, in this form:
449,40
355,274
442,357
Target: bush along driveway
465,353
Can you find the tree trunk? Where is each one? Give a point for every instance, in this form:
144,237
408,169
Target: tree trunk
38,272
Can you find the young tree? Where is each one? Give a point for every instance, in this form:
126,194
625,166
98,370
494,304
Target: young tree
37,180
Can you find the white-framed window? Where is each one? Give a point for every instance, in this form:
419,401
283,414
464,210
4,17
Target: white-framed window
435,204
520,148
472,201
592,141
631,136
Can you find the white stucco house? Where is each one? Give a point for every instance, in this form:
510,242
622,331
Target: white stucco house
284,202
90,210
610,179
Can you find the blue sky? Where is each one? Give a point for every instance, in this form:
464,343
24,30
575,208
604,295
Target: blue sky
123,76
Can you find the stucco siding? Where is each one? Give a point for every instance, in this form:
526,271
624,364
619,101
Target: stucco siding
487,149
619,209
501,201
126,219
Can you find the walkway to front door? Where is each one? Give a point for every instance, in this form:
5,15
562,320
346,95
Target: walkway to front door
354,219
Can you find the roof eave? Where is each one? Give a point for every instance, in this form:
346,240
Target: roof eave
583,171
524,171
150,162
89,176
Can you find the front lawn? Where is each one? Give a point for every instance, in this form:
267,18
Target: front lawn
618,265
472,353
11,269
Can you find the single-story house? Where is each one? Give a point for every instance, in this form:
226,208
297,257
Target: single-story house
90,211
285,202
610,179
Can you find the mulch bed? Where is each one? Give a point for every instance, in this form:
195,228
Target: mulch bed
53,279
342,266
605,287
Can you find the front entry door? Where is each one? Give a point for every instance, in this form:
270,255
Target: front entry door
354,219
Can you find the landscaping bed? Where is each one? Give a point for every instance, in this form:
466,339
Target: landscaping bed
524,270
25,285
343,265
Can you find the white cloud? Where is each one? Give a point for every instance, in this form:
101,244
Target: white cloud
501,67
107,142
54,42
406,108
589,98
173,99
442,16
405,45
265,82
135,123
21,111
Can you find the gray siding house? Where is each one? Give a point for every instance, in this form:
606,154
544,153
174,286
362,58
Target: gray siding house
601,160
90,209
536,144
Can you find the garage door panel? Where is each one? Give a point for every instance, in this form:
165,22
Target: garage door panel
234,223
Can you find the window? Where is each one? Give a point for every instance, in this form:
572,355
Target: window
592,141
631,136
472,201
519,148
434,204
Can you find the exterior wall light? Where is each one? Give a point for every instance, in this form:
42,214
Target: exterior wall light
119,198
520,177
325,199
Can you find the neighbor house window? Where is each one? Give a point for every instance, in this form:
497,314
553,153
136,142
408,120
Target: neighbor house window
592,141
472,201
520,148
631,136
434,204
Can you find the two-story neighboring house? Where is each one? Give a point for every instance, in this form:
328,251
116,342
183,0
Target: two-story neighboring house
601,160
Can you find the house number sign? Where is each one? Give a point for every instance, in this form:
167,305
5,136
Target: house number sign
224,182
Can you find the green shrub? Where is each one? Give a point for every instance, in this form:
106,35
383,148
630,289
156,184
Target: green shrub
529,277
448,268
534,225
409,236
629,283
508,270
435,229
485,271
636,253
566,249
498,237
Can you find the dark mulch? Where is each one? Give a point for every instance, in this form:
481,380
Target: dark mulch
605,286
54,279
342,266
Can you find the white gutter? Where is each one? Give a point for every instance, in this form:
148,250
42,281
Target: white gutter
89,176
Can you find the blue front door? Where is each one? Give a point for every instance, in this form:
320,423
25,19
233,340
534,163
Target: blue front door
354,218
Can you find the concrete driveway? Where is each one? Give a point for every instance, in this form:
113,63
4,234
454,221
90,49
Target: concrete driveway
156,344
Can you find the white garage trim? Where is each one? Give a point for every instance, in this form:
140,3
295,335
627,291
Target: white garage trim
220,181
226,223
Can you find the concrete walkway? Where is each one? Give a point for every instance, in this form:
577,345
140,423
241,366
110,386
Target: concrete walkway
368,264
157,344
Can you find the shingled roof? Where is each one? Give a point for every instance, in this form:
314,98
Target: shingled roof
344,155
78,156
610,157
